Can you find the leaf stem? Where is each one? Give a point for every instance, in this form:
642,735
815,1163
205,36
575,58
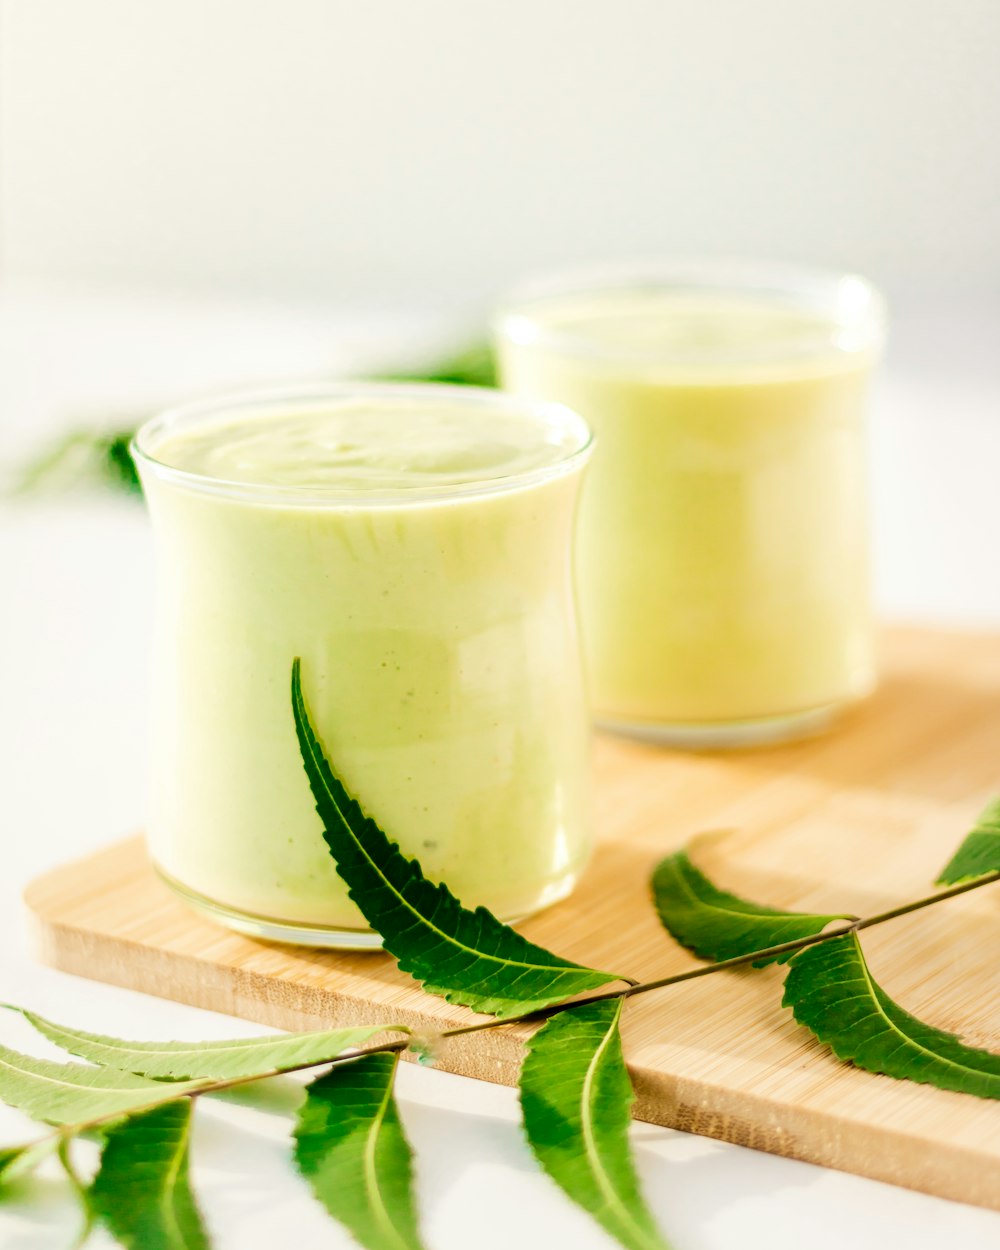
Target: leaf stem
66,1131
920,903
736,961
79,1187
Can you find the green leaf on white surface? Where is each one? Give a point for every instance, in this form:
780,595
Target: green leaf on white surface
576,1098
218,1060
80,1188
467,957
141,1193
474,365
18,1161
70,1093
100,456
979,854
82,458
831,991
717,925
350,1147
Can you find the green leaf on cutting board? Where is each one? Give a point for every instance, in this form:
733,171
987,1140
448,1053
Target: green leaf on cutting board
831,991
979,854
350,1147
141,1193
70,1093
717,925
576,1098
218,1060
468,957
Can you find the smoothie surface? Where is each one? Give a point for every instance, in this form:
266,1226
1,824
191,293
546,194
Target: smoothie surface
355,445
685,329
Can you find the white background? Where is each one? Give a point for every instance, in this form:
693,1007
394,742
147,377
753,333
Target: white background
429,150
200,193
74,624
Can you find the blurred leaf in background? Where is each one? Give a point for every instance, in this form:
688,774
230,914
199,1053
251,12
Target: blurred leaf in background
474,366
100,457
82,458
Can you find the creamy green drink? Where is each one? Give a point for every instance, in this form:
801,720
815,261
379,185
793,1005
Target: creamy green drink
412,546
723,550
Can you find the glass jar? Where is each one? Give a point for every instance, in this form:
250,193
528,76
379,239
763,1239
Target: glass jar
722,554
412,545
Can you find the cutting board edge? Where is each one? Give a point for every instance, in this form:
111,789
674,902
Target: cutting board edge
681,1103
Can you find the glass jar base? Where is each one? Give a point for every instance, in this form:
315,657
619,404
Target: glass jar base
332,937
721,735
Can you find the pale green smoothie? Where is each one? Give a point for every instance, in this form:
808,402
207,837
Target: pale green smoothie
723,550
412,545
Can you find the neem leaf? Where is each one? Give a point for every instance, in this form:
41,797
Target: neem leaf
831,991
141,1193
88,457
350,1147
67,1093
468,957
80,1188
218,1060
718,925
17,1161
979,854
475,365
575,1098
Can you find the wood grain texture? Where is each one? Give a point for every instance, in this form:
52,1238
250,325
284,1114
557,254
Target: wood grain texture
858,821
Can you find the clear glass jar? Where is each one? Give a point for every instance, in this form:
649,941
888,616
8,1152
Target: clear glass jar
722,554
412,545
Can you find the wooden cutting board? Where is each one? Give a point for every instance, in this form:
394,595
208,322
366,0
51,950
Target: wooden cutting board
857,821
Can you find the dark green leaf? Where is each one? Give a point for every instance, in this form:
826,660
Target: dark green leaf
979,854
219,1060
468,957
718,925
575,1097
68,1093
141,1193
831,991
350,1147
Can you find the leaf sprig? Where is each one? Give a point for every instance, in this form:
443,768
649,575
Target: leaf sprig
101,456
349,1141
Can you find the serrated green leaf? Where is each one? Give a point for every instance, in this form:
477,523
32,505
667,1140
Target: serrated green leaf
831,991
467,957
218,1060
350,1147
17,1161
979,854
718,925
141,1193
575,1098
68,1093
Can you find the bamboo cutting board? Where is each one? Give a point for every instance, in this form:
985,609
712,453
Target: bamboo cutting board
856,821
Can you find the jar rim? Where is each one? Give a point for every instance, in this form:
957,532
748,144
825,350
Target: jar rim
271,401
850,305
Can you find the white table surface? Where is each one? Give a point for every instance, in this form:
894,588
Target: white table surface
74,622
